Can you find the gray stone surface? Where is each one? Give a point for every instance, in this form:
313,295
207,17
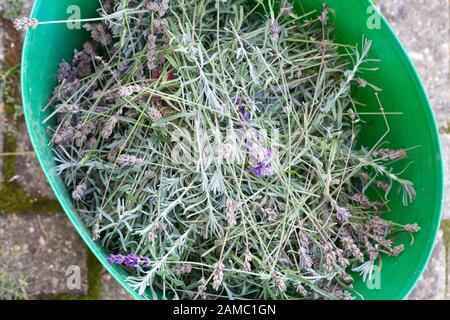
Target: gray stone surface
111,289
432,285
1,47
448,274
28,171
46,246
2,130
423,27
445,141
2,115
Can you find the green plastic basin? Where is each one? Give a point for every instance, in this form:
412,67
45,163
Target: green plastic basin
402,93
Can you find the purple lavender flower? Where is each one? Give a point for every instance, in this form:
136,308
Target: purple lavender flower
260,157
342,214
144,261
262,170
130,260
115,259
274,30
79,191
390,155
182,269
127,160
243,108
245,115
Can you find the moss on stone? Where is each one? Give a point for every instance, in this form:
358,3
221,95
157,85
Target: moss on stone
445,227
13,196
95,269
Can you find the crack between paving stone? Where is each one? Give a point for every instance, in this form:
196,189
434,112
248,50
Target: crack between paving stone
13,195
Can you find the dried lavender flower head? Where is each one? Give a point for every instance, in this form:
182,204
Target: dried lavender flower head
304,258
248,257
274,30
202,288
280,284
154,114
109,127
79,191
412,228
218,275
231,212
182,269
286,8
160,7
127,160
302,291
64,71
342,214
128,91
129,260
323,18
160,25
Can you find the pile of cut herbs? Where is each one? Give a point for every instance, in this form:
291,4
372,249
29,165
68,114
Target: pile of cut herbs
213,147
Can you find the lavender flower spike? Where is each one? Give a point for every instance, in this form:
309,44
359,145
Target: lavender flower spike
342,214
115,259
25,23
262,170
243,108
130,260
79,191
260,157
130,161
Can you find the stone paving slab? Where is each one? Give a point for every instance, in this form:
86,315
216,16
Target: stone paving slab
28,170
423,27
2,130
47,247
445,142
111,289
432,285
2,113
448,274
